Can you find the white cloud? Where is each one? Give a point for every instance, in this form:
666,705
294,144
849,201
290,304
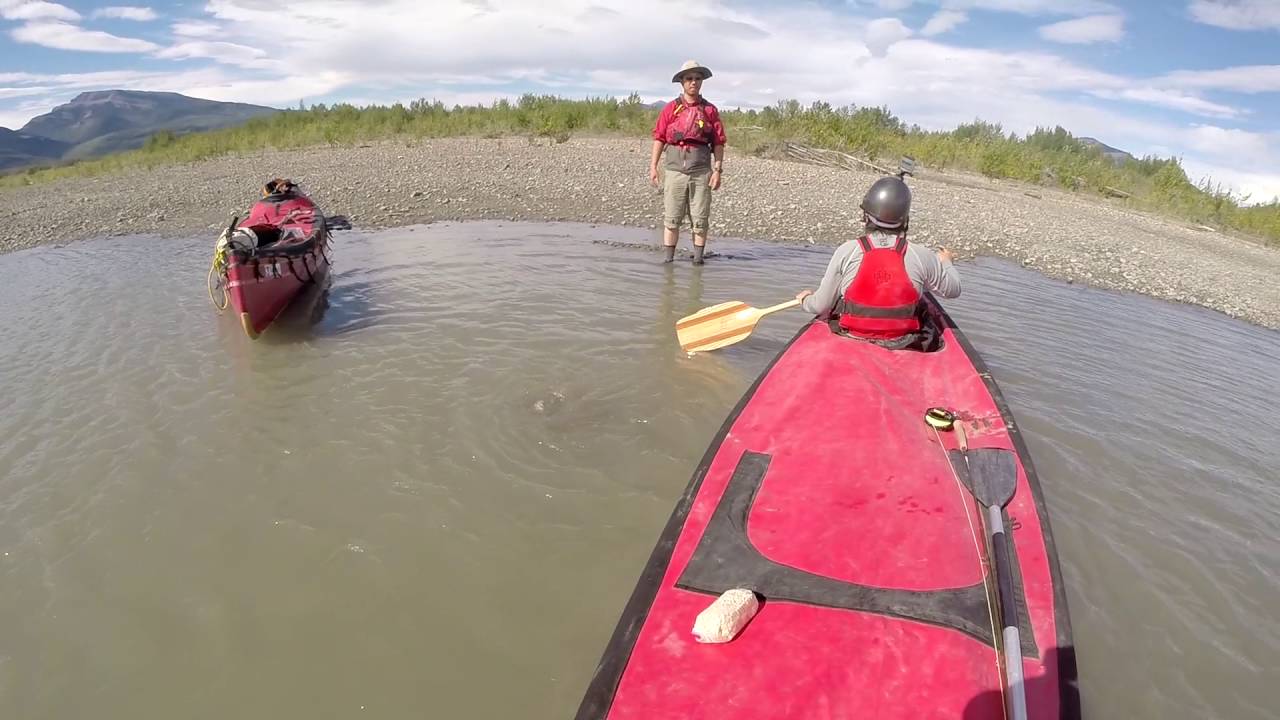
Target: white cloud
943,21
222,52
36,10
1243,78
195,29
1034,7
1171,99
1085,30
1257,187
65,36
1237,14
18,115
1228,142
14,92
884,32
266,92
1242,160
127,12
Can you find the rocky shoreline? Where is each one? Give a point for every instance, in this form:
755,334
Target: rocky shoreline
604,180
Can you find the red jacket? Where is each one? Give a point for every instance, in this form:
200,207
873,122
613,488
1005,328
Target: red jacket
675,127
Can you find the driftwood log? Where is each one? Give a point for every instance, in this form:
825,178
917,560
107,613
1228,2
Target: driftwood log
832,158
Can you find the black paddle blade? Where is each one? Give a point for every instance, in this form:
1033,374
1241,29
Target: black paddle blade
990,474
338,222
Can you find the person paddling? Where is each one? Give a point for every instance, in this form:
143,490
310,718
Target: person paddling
873,285
690,136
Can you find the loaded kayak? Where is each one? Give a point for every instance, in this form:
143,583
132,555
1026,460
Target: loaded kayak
848,510
280,248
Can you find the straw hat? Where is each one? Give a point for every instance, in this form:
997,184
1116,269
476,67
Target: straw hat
691,65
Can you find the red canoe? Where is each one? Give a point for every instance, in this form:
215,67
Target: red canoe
279,249
828,495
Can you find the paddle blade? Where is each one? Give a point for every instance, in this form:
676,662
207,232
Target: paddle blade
991,474
716,326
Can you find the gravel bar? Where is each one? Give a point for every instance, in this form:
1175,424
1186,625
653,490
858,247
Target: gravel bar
1079,238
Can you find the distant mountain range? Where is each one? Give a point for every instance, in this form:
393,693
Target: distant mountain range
99,123
1113,153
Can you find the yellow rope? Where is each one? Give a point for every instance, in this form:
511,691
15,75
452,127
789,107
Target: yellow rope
218,267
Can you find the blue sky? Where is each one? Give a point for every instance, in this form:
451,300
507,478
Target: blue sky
1196,79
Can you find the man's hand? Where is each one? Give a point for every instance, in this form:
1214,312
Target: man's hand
715,179
803,294
653,175
946,255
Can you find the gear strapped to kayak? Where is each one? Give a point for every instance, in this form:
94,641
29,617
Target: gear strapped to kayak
877,593
280,248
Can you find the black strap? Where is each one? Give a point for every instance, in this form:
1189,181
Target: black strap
896,312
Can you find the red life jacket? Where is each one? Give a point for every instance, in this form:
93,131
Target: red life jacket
689,124
881,301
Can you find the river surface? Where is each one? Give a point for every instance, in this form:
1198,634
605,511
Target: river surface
430,489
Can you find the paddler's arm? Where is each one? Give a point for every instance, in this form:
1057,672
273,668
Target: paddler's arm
659,142
940,276
658,145
822,300
718,153
717,146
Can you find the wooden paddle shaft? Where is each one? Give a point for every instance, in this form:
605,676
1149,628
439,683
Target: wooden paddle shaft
780,306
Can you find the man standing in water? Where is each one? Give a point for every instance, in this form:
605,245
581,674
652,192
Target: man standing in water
690,132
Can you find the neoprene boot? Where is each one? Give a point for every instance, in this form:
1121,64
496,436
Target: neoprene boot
697,254
670,253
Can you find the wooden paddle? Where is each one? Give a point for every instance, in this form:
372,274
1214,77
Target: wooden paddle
720,325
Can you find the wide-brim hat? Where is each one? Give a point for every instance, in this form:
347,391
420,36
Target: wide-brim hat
691,65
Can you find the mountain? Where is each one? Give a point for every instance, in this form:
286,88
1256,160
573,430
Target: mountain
103,122
19,149
1113,153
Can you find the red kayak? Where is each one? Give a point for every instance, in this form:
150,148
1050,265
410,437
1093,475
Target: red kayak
281,248
854,523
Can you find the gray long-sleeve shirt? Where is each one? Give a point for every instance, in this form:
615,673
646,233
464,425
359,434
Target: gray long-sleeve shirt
926,270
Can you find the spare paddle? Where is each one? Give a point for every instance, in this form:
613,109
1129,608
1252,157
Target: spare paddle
992,476
720,325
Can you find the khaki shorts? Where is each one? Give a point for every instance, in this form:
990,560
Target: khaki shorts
686,194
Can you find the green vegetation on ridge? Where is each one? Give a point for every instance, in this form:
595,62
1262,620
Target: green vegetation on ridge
1046,156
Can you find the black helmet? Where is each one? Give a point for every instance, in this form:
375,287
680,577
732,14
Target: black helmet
888,203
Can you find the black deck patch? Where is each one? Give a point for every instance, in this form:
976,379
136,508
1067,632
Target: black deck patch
725,559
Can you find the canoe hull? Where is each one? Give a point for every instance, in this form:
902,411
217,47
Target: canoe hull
262,283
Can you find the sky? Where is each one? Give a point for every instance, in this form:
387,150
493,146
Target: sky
1193,79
